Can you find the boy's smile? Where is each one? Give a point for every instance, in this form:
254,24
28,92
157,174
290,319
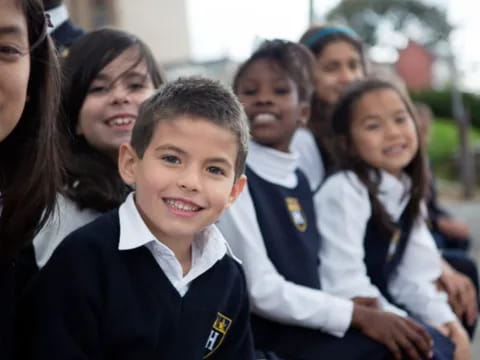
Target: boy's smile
185,179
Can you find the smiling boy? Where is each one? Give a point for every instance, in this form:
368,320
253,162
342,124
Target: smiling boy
153,279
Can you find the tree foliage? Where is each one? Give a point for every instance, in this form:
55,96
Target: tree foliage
426,24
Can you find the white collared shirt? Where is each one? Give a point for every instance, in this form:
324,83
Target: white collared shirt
344,211
66,219
208,247
58,16
310,160
271,295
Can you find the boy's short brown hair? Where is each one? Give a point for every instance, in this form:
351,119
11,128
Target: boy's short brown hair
195,96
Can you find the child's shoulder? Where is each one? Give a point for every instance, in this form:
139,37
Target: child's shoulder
343,184
97,237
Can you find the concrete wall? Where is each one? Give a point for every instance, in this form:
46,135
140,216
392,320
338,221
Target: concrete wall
162,24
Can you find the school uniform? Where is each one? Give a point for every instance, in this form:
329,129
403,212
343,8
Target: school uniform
62,30
68,217
310,159
272,228
7,309
113,291
399,269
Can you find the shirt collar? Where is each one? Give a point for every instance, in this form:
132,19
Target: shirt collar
58,16
275,166
209,244
394,193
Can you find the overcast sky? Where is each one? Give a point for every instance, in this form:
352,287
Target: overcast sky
231,28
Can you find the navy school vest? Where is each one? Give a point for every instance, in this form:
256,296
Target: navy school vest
288,224
384,250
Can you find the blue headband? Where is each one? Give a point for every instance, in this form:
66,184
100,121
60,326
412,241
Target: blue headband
327,31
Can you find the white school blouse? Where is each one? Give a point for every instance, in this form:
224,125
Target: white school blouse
208,247
66,218
344,211
310,160
271,295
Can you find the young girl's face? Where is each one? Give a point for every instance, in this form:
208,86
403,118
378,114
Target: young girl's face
110,108
337,66
383,132
270,99
14,65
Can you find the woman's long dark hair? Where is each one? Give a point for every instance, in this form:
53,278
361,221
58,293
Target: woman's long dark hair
92,179
30,162
348,158
319,122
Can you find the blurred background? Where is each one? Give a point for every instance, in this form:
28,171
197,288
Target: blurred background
431,46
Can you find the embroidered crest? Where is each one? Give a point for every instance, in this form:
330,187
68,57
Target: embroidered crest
392,248
217,334
296,213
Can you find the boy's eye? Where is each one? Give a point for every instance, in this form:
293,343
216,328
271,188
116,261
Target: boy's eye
171,159
216,170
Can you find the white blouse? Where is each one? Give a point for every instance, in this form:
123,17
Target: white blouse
67,218
310,161
343,213
271,295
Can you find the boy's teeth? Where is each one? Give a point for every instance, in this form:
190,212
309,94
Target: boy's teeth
180,205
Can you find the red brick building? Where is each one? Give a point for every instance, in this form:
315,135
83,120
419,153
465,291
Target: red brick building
414,65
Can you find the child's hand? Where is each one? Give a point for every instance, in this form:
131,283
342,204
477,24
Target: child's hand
366,301
453,227
455,331
461,293
401,335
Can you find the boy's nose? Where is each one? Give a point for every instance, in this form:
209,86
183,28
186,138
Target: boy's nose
189,180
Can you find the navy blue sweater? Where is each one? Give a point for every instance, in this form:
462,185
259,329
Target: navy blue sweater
92,301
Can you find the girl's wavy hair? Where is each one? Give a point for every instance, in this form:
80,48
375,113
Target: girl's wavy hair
92,180
348,158
30,162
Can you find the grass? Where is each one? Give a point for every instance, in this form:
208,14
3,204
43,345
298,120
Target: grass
444,146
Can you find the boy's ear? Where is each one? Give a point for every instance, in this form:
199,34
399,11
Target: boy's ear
127,164
237,189
305,111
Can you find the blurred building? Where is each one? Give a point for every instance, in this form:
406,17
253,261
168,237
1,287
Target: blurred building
162,24
415,66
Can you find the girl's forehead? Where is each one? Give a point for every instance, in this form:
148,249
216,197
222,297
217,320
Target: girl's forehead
265,67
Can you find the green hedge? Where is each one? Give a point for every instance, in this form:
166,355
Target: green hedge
441,103
444,146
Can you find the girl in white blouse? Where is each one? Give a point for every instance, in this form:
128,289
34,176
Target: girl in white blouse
374,240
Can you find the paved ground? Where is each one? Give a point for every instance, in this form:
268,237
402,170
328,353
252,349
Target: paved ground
469,211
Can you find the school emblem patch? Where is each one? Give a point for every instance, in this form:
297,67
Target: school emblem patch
394,241
217,334
296,213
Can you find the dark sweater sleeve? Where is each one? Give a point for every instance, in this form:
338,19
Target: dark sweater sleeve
59,311
435,211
